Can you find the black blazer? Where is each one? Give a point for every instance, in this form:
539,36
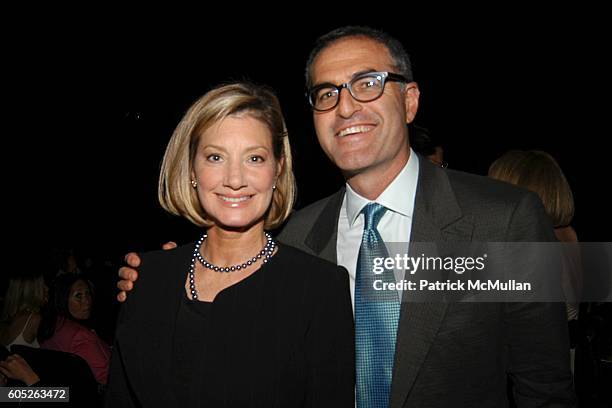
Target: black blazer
459,354
303,332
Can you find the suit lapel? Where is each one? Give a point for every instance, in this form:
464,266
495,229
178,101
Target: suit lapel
437,217
322,238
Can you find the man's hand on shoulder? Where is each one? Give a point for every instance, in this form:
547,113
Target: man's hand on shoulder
129,273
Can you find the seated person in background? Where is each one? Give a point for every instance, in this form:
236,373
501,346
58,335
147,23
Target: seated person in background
25,297
422,143
68,263
49,368
65,326
15,367
539,172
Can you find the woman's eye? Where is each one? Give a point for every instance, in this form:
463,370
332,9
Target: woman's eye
213,157
256,159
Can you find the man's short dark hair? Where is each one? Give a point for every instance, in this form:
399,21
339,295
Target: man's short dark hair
401,60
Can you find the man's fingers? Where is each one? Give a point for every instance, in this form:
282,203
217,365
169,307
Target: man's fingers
132,259
125,285
121,296
169,245
127,273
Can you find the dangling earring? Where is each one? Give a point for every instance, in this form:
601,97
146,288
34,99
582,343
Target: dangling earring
274,187
194,183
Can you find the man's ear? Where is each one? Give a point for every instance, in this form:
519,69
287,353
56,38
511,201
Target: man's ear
411,98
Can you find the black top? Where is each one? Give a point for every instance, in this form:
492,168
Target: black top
282,337
191,346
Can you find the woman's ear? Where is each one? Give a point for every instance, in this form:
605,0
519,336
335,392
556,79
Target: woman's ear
194,182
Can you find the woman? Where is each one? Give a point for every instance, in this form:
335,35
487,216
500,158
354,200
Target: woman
21,313
21,316
234,319
539,172
65,329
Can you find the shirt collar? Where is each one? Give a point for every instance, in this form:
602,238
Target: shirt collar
394,197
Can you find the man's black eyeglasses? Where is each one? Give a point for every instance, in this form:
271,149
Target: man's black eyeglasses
364,88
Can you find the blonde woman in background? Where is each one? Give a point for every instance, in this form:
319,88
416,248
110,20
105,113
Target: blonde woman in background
21,313
539,172
20,320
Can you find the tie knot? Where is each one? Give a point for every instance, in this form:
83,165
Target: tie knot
373,212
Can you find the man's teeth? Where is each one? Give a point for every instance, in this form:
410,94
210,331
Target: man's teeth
235,199
354,130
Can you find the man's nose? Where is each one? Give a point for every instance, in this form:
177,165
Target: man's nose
347,105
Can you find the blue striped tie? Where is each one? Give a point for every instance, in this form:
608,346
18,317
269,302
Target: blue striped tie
376,318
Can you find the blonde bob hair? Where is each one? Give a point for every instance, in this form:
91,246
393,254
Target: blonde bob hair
175,193
539,172
26,293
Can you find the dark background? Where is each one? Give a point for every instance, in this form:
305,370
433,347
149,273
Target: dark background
97,102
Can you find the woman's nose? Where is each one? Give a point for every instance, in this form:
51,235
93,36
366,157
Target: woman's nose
235,176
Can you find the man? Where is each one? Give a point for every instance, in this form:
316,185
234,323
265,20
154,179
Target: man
441,354
422,143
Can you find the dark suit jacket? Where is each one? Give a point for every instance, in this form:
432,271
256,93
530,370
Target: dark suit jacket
291,343
459,354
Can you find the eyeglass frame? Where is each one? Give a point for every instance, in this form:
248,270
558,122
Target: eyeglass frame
385,76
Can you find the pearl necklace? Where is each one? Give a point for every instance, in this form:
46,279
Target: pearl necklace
266,253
